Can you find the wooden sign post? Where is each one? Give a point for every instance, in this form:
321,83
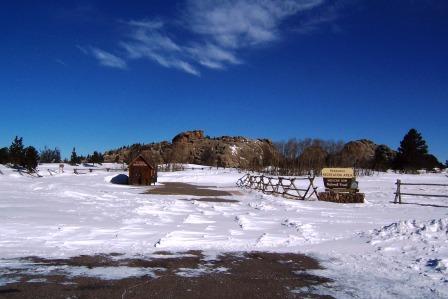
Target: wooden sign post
340,186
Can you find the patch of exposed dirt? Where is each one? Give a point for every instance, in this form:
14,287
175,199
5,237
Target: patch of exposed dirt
186,189
230,275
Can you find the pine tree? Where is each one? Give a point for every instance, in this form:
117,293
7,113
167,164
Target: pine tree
412,151
31,158
16,152
74,157
4,155
95,158
100,158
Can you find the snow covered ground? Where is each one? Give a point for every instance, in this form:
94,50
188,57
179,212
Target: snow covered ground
372,250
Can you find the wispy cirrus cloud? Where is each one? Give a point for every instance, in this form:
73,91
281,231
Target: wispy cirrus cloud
208,34
104,58
148,39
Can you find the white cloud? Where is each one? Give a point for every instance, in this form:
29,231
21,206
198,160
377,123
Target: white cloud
105,58
209,34
242,23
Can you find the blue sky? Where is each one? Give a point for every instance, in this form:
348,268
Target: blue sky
100,74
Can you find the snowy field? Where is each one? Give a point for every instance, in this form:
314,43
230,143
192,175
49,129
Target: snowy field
372,250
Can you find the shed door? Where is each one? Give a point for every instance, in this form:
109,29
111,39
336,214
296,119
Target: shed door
137,175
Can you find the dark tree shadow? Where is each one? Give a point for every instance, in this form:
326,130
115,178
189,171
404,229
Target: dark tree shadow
422,204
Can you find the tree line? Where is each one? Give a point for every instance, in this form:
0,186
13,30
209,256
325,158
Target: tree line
298,157
292,157
19,156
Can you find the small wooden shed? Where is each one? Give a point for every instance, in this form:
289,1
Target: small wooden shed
141,172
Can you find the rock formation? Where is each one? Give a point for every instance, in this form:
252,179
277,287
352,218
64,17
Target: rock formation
241,152
194,147
357,153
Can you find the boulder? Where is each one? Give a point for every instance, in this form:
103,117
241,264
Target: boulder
357,153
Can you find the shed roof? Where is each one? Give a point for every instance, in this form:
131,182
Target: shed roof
144,160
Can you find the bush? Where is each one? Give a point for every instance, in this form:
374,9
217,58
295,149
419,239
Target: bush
48,155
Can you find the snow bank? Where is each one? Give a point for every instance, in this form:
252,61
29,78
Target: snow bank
413,230
376,249
407,259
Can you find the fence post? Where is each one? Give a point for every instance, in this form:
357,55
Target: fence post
398,193
311,186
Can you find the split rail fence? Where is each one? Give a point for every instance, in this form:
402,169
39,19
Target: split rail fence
283,186
86,170
399,191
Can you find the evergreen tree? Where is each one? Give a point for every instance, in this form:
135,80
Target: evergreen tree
100,158
82,159
16,152
74,159
4,155
31,158
96,157
412,152
430,162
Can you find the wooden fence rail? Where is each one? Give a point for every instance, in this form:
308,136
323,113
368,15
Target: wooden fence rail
283,186
399,192
164,168
85,170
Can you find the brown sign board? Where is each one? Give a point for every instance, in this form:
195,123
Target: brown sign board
338,178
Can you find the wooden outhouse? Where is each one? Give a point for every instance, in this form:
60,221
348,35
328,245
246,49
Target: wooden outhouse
141,172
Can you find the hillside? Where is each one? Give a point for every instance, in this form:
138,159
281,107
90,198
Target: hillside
237,151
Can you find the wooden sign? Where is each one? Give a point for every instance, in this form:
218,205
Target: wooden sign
338,173
338,178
